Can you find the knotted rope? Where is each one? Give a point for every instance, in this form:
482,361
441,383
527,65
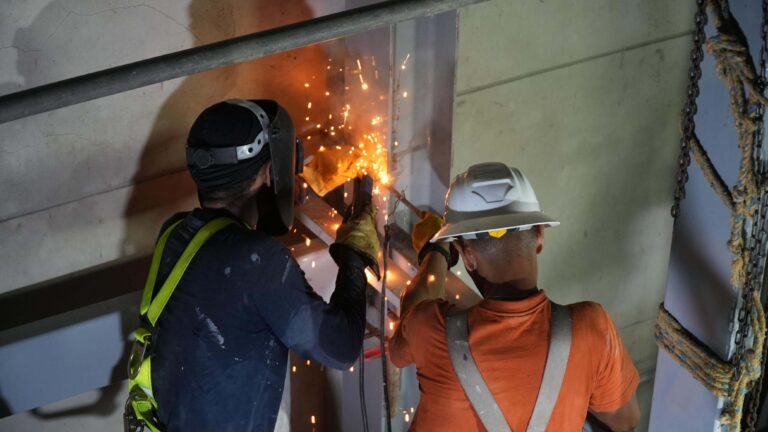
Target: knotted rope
731,380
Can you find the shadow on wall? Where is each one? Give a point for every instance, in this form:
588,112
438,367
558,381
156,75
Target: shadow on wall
280,77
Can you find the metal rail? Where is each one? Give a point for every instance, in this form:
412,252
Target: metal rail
228,52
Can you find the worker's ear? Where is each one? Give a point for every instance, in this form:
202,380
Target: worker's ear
539,230
266,171
468,254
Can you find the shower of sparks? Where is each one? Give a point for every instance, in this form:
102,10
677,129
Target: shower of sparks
352,145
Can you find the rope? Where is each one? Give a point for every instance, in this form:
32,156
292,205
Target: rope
751,369
712,372
730,380
710,172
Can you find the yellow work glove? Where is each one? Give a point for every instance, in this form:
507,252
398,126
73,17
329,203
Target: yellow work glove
425,229
360,234
423,232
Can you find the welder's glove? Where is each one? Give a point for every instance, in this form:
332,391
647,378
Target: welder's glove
425,229
422,233
359,233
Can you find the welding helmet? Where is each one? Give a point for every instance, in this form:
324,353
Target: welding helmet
231,140
489,200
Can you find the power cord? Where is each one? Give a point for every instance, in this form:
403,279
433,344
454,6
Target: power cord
361,383
383,320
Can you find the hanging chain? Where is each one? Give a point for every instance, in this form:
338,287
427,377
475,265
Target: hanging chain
757,243
688,124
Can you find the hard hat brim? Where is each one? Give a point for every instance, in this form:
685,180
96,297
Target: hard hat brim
451,231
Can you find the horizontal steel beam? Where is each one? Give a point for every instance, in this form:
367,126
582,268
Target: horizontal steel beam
228,52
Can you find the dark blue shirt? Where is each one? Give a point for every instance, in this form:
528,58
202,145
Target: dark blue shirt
221,345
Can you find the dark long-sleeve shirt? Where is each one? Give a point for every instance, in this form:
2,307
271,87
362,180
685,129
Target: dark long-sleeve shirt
221,344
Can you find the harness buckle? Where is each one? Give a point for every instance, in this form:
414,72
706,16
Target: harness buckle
131,422
138,352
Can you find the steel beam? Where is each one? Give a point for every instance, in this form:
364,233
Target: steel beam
228,52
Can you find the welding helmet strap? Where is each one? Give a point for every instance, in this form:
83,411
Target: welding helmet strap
206,157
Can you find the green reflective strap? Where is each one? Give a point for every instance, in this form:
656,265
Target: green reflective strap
145,413
142,335
209,229
146,297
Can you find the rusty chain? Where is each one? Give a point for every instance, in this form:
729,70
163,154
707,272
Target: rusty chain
756,267
756,243
688,124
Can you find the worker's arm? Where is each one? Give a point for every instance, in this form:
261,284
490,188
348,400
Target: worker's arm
329,333
428,284
623,419
613,400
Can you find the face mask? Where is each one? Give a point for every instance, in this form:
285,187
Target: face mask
493,290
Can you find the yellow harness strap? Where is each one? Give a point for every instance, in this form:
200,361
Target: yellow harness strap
140,397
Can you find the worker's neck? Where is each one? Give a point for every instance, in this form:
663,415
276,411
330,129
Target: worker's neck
516,289
508,285
244,212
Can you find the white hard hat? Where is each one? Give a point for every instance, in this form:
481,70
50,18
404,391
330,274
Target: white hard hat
488,200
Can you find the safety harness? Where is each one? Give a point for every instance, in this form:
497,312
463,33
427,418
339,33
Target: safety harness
475,387
141,406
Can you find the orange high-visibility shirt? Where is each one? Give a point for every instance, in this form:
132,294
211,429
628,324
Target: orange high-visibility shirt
509,341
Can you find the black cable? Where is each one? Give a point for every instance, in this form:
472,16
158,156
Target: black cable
361,380
383,329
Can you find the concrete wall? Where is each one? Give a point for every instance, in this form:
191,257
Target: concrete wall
584,98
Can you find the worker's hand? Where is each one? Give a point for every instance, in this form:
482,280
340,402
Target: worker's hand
425,229
359,233
423,232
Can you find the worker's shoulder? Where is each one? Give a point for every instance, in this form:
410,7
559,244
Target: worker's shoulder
590,315
251,241
429,311
172,220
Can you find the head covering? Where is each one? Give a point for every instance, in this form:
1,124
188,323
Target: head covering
226,124
489,200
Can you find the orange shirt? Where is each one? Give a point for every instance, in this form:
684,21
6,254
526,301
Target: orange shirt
509,341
